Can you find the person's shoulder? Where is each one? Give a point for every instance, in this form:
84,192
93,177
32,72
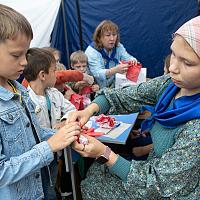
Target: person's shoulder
190,129
120,46
90,51
194,124
158,84
54,94
53,90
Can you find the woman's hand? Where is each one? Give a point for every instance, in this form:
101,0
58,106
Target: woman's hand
121,68
81,116
93,149
84,115
64,137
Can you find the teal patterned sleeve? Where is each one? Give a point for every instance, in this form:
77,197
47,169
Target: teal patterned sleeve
175,174
132,98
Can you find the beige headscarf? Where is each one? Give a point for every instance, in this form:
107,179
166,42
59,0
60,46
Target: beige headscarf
190,31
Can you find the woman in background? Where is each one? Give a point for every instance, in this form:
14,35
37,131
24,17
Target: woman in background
105,53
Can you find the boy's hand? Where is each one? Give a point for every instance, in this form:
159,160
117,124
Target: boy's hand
87,78
80,85
68,94
59,125
65,136
95,88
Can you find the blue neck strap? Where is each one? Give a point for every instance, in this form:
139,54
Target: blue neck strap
106,57
171,113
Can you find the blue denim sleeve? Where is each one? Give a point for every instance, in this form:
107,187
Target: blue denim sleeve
15,168
46,133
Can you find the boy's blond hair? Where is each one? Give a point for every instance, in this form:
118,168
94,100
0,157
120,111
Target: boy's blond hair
13,23
52,50
60,67
78,56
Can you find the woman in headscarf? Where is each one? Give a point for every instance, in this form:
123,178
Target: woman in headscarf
172,170
105,54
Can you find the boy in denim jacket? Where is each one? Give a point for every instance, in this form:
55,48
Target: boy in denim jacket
26,149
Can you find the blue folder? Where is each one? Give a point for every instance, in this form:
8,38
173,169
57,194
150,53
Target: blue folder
121,139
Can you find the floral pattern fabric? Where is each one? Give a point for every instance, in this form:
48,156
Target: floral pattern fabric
172,170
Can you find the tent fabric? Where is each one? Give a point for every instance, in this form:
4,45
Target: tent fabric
41,14
146,26
58,35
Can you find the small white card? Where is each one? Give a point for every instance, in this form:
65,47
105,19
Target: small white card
115,132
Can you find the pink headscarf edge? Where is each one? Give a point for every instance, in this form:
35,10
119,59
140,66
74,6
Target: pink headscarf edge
190,31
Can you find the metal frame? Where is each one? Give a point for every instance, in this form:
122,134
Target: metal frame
70,168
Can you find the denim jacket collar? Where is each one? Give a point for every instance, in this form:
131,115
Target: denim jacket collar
6,95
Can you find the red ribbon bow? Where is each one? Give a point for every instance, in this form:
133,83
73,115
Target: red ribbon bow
105,121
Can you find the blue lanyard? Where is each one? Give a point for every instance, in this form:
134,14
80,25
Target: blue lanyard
106,57
48,107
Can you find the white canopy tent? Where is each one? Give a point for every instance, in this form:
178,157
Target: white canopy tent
41,14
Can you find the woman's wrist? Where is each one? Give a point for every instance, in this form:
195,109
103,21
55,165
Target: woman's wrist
115,69
92,109
108,72
112,159
111,71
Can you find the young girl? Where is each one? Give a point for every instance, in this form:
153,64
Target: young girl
172,169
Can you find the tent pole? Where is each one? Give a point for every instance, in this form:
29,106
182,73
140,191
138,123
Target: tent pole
70,166
65,33
79,24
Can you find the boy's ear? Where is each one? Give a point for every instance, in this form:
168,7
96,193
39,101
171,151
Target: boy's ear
41,75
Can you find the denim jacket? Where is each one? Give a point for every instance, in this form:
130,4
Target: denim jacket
20,157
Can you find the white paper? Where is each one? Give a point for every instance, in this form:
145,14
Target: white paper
121,80
115,132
